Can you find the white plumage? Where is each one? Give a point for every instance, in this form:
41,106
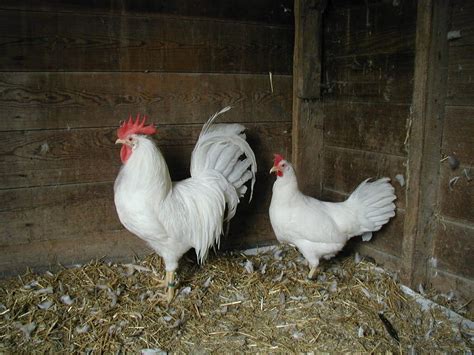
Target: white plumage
173,217
321,229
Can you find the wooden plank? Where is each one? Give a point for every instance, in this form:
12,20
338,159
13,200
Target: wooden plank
388,261
44,41
463,287
56,157
307,54
345,169
56,213
307,114
307,145
249,230
267,11
73,100
462,12
454,247
349,4
424,140
372,127
460,60
388,240
366,28
460,76
458,134
47,255
456,199
369,78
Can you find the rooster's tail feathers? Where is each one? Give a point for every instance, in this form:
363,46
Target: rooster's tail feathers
374,203
221,147
210,121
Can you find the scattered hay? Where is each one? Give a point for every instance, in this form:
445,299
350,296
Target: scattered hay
235,302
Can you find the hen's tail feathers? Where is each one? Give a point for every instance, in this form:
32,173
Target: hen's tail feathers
373,202
222,147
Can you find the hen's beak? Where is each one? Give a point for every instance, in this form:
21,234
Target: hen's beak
274,169
120,141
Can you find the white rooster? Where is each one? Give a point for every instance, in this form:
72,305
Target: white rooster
173,217
321,229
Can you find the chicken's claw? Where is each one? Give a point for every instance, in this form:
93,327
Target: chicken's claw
162,283
166,297
169,283
313,273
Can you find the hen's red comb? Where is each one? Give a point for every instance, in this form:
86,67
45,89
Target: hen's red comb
277,158
137,127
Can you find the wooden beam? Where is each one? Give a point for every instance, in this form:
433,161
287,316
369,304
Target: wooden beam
307,113
424,139
39,101
62,41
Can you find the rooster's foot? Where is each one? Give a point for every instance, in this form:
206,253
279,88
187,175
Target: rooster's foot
162,283
169,283
168,296
169,279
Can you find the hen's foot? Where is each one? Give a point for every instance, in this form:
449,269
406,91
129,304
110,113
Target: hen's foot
313,273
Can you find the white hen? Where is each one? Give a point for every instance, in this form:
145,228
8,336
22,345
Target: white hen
321,229
173,217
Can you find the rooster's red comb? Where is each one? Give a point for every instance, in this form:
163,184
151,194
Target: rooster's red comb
137,127
277,158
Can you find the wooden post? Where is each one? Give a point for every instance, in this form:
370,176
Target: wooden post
307,136
424,139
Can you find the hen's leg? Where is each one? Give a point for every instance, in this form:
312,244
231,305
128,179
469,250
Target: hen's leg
309,251
313,273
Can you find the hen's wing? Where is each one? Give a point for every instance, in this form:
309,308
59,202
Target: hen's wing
310,219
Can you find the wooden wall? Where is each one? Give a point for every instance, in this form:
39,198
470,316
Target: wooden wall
396,99
367,78
70,71
451,266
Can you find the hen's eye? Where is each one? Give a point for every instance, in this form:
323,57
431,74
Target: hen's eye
283,165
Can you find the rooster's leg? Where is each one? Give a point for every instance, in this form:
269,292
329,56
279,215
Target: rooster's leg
163,283
169,277
171,285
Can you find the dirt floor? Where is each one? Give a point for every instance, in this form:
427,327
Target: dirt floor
235,302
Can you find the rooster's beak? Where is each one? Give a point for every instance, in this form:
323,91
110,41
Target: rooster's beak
274,169
120,141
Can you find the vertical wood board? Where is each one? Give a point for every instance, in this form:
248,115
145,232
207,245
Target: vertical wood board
424,140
